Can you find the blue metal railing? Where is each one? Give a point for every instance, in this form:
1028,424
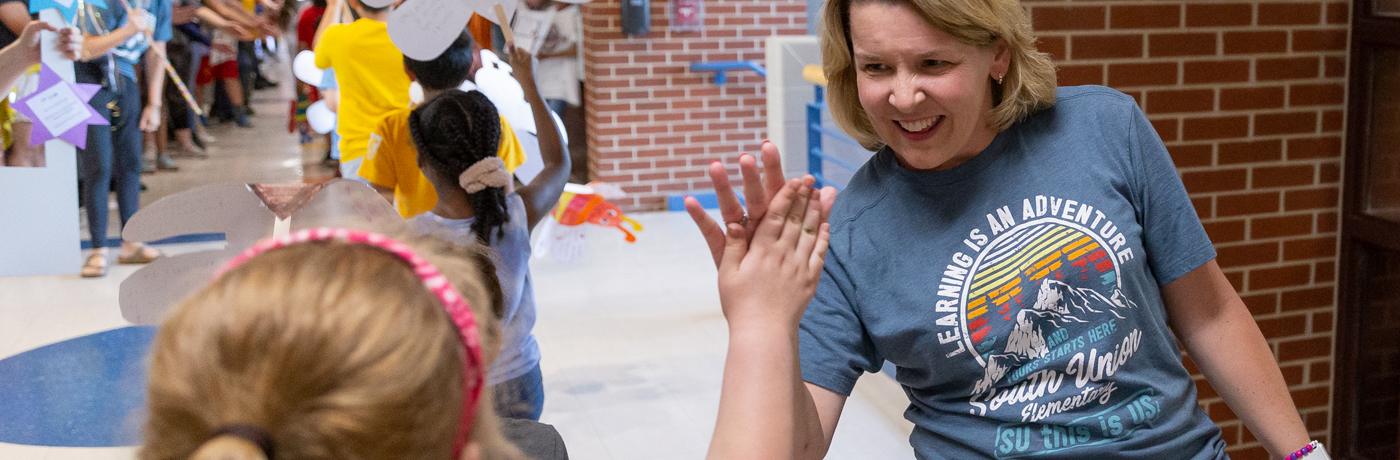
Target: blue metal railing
815,131
815,155
719,67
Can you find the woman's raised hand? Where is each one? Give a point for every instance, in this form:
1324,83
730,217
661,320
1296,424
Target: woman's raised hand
771,257
758,187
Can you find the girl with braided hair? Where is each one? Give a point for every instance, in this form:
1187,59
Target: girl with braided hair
457,135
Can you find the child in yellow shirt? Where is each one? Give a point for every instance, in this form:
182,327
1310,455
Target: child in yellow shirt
391,161
369,70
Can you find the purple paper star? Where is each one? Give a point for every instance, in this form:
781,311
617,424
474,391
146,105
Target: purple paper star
58,104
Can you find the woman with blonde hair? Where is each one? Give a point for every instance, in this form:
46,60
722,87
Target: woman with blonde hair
331,344
1024,255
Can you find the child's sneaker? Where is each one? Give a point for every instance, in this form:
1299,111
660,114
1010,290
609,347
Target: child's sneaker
163,161
148,162
192,151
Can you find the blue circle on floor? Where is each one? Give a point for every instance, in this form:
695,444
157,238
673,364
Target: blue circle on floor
83,392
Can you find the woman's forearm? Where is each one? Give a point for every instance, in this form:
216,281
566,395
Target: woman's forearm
1239,365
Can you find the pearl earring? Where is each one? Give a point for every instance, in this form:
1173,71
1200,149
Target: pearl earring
999,77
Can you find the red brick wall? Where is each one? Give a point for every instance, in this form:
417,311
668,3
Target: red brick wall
1249,97
654,126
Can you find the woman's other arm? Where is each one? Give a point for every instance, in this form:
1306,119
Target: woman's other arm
1214,326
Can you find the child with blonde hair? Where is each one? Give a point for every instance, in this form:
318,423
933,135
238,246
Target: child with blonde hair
332,344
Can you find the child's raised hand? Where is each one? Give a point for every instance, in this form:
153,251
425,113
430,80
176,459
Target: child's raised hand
758,187
767,280
70,41
138,21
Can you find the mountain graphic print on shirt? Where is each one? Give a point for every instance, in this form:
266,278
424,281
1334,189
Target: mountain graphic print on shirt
1039,306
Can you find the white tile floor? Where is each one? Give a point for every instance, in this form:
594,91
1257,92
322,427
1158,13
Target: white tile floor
633,343
631,334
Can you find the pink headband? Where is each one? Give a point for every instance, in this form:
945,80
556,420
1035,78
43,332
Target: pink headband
473,376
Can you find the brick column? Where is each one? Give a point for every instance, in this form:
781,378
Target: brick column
654,126
1249,97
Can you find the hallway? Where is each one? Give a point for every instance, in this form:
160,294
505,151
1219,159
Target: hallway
632,337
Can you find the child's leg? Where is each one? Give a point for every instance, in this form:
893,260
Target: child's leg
126,148
156,140
95,174
227,73
180,120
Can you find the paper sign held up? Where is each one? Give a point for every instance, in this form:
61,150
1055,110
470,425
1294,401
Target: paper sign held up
67,8
423,29
60,109
244,213
304,67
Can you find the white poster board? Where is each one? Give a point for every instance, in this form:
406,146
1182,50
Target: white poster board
39,206
531,27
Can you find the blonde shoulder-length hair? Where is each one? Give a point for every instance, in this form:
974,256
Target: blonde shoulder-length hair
335,349
1029,84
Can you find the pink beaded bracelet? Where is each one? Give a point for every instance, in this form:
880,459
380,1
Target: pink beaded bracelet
1308,449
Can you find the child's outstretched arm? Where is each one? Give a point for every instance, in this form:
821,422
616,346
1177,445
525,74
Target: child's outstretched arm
769,266
541,193
332,16
764,287
26,50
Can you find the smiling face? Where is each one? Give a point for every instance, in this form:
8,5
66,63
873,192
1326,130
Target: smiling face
928,95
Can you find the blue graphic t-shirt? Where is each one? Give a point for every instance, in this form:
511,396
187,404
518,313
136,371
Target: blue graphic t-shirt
128,53
1017,293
